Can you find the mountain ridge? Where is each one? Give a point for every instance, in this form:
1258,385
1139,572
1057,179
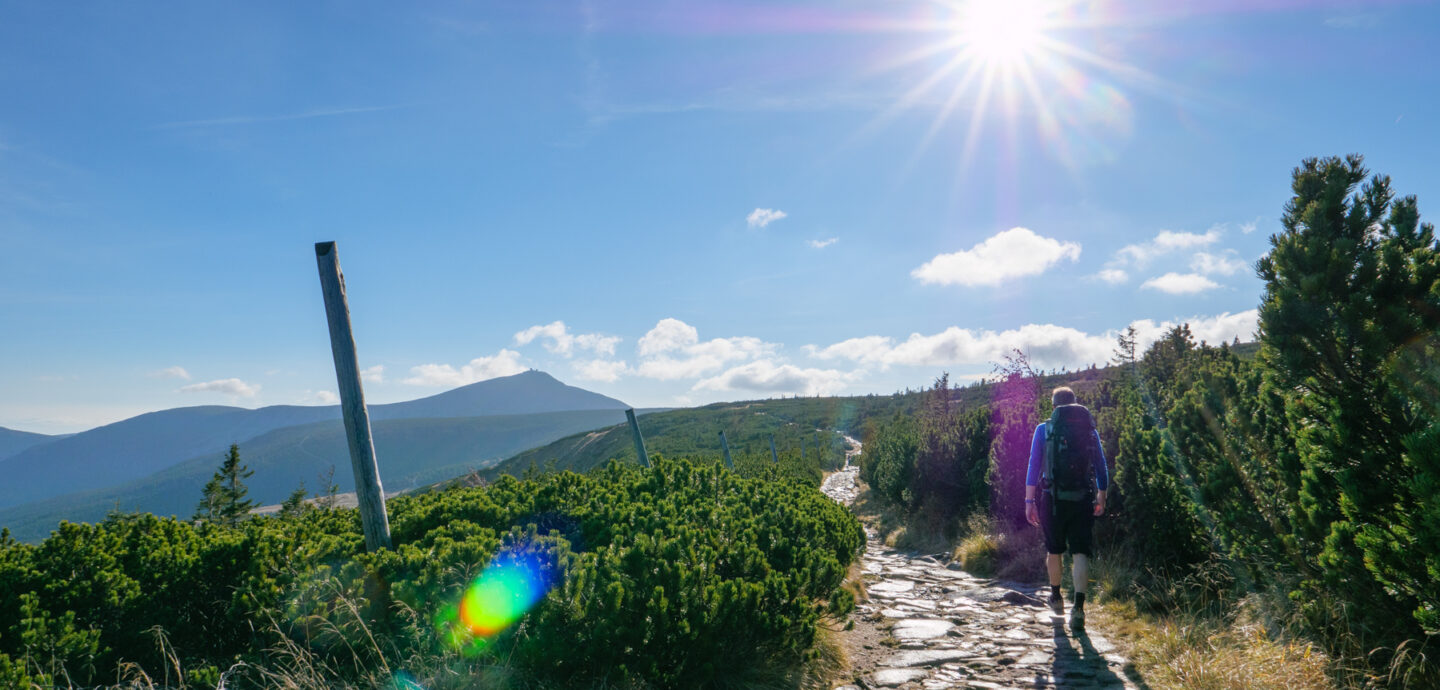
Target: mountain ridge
133,448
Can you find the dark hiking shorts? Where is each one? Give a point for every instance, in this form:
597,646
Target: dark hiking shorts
1067,528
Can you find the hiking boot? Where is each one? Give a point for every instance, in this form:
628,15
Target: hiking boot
1057,603
1077,618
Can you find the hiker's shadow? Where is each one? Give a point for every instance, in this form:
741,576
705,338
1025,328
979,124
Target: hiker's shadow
1078,662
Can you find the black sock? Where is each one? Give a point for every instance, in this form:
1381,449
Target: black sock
1079,599
1055,592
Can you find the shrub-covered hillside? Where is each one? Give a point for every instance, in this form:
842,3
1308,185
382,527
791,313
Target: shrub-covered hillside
675,575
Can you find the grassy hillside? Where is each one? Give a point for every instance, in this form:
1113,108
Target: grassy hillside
411,452
695,432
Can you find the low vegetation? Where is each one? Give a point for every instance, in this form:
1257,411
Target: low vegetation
675,575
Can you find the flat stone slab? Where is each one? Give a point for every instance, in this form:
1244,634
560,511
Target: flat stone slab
921,629
927,657
891,587
892,677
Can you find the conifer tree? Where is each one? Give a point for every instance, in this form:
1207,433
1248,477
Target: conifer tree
294,504
1351,282
224,498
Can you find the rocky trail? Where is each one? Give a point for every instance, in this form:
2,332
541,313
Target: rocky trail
927,624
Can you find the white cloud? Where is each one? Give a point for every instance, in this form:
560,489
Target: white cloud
766,376
762,217
1013,253
503,363
1210,329
668,335
1247,228
1225,264
234,387
1165,242
673,350
1113,276
821,244
1048,345
375,374
601,370
1180,283
170,373
319,398
562,342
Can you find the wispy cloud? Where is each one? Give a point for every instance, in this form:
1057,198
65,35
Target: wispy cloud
821,244
1113,276
1226,263
1048,345
503,363
601,370
1180,283
231,387
375,374
170,373
762,217
1013,253
1166,242
233,120
319,398
767,376
559,340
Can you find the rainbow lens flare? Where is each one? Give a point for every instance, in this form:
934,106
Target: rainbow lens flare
516,579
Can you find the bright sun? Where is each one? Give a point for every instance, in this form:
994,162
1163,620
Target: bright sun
1002,31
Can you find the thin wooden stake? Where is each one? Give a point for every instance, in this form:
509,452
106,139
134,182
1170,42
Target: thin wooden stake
368,491
726,446
773,455
639,440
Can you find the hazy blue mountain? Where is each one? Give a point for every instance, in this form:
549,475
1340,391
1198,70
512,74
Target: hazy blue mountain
12,441
140,446
411,452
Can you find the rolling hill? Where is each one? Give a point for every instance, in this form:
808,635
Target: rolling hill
13,442
140,446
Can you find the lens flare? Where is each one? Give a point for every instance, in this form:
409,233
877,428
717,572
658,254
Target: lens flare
516,579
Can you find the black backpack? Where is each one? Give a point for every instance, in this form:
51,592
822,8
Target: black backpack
1069,450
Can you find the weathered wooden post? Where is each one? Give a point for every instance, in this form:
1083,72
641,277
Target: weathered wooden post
725,445
352,400
802,449
773,455
639,440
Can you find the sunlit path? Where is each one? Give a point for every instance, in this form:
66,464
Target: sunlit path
928,624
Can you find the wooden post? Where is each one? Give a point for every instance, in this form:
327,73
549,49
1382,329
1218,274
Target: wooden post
726,446
639,440
368,491
773,455
802,449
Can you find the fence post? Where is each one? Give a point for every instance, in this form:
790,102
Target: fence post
639,440
773,455
368,491
726,446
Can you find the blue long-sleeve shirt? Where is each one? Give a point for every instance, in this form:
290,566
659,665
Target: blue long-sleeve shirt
1037,460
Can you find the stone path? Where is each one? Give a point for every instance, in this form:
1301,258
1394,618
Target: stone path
928,624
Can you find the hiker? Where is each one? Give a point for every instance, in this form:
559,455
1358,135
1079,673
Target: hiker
1064,493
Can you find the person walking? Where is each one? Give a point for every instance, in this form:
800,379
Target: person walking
1065,488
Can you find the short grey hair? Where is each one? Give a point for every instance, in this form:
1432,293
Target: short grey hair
1062,396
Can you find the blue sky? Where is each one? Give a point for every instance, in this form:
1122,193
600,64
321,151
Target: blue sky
670,202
